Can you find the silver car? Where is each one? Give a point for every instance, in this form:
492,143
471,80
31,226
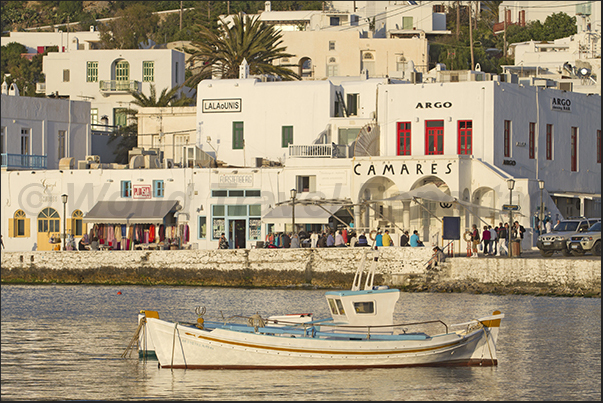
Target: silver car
578,245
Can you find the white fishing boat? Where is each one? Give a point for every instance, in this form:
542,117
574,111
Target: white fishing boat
360,333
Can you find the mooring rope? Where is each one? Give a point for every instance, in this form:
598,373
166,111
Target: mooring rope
134,340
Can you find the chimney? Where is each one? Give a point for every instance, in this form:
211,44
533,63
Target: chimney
267,6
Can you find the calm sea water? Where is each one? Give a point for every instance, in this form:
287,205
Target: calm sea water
65,342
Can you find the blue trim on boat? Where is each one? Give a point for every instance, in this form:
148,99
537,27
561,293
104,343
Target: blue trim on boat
360,292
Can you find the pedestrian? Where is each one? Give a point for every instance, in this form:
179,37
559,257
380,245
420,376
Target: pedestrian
437,257
518,231
82,244
286,240
404,239
94,243
2,242
330,240
362,241
353,239
339,242
502,240
486,240
294,241
222,243
387,239
379,238
344,234
414,239
475,240
322,241
313,239
548,225
493,240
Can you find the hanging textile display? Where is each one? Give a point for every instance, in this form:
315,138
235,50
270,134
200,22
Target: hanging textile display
152,233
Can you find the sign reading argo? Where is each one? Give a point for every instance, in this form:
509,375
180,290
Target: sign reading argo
222,105
561,104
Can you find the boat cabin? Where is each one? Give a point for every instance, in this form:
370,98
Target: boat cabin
374,307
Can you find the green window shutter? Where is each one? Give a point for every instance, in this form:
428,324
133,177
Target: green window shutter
148,71
238,141
122,71
92,72
287,136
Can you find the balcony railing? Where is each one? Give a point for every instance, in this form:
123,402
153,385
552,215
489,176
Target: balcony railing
115,86
318,151
20,161
40,88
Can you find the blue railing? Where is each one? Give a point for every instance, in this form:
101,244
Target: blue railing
20,161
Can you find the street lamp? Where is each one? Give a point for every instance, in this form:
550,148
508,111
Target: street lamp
541,215
64,199
510,185
293,194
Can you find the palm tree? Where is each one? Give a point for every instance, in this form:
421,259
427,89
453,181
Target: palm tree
248,38
128,134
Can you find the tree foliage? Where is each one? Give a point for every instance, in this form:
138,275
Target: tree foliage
23,72
248,38
133,25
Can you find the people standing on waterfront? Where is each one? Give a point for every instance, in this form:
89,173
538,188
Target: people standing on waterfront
322,241
286,240
339,242
330,240
404,239
379,238
486,240
353,239
502,240
294,241
362,241
1,241
344,234
387,239
517,232
549,226
94,243
414,239
222,243
493,240
475,240
313,239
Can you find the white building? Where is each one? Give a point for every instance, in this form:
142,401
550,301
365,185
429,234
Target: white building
104,77
573,62
39,42
38,132
467,138
342,40
587,13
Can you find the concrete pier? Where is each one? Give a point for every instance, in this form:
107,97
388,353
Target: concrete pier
322,268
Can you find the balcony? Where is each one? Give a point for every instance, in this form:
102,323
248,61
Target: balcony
118,86
40,88
319,151
20,161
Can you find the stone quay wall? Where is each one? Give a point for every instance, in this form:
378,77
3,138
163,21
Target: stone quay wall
404,268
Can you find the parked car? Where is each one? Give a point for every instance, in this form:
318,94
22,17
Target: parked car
587,241
557,240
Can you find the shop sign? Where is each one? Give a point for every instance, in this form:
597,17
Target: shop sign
236,179
561,104
222,105
406,168
141,191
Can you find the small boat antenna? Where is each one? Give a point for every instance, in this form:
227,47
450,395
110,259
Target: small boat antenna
370,276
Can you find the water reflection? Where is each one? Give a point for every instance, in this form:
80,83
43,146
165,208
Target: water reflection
65,342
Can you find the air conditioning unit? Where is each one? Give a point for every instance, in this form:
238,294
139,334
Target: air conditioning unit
93,158
567,86
169,163
67,163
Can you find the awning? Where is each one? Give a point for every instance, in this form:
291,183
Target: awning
131,211
309,214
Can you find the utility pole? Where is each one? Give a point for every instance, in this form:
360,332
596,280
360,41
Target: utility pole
505,34
228,8
180,15
458,19
471,34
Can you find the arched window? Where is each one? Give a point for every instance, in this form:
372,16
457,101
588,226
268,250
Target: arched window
122,71
18,226
77,226
49,220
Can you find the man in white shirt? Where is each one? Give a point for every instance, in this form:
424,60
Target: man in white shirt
314,239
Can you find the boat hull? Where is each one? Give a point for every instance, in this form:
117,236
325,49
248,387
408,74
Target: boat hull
182,346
